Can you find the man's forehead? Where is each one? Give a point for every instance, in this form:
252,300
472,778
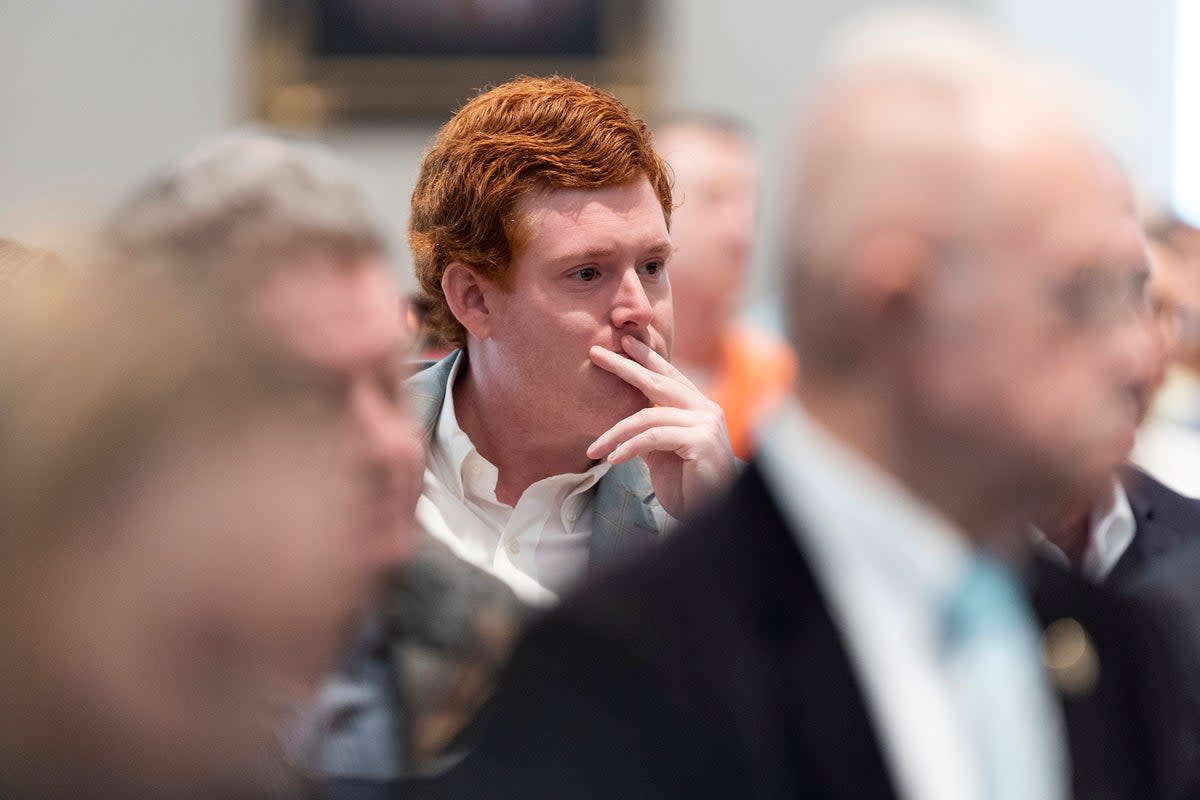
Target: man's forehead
1045,185
327,311
611,217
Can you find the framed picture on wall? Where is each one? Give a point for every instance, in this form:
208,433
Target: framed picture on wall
329,61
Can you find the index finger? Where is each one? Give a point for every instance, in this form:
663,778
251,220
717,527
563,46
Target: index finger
663,390
648,357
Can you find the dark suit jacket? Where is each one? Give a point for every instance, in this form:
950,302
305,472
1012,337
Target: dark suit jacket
1167,523
712,668
1169,596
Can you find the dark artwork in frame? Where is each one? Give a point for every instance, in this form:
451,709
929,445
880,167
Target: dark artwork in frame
324,62
459,28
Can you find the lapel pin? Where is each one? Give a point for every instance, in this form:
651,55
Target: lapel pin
1070,657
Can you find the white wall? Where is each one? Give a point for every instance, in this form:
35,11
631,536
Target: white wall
95,94
1127,50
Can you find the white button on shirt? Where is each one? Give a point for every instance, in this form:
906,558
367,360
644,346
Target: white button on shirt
539,547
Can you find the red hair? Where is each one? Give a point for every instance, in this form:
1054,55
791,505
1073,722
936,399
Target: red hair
526,135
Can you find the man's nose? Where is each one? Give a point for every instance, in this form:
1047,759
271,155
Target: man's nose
631,305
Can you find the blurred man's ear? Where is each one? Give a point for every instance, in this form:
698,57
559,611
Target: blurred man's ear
890,270
466,293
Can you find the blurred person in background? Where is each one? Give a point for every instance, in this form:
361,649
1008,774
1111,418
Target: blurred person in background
1114,531
1168,445
173,560
965,282
295,247
712,227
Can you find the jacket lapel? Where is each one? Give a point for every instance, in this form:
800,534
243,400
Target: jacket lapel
427,392
625,514
1153,538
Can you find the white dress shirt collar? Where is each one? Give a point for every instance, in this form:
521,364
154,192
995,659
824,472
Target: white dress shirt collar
539,546
833,488
474,475
1112,527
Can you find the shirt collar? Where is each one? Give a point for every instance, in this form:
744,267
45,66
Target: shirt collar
460,454
855,516
1112,528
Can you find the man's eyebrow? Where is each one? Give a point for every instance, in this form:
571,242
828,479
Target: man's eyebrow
661,247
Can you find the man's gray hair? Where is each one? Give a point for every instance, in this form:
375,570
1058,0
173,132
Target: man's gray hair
240,198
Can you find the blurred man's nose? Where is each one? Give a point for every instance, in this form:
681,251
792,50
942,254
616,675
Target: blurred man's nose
631,306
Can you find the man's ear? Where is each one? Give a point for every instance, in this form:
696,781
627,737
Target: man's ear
890,271
467,295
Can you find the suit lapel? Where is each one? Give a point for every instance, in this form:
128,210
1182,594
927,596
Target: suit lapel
624,518
1097,672
427,393
827,731
1153,538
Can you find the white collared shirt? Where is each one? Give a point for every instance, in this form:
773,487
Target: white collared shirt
538,547
1112,527
886,563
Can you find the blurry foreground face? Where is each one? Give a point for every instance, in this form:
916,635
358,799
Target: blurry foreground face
342,321
592,268
712,225
208,585
1045,346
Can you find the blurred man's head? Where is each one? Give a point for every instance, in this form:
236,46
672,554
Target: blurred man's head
293,237
713,163
19,262
1175,287
539,230
971,258
170,563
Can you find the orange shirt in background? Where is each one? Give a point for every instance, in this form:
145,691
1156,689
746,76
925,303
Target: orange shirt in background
757,370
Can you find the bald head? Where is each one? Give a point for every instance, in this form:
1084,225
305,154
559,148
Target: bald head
936,154
963,249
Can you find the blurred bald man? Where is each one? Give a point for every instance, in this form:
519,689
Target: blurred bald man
966,277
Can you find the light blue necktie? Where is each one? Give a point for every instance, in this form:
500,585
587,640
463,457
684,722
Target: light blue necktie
991,653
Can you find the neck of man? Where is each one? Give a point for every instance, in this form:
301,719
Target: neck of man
513,436
1070,528
859,417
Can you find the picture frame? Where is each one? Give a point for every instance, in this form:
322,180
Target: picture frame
326,62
